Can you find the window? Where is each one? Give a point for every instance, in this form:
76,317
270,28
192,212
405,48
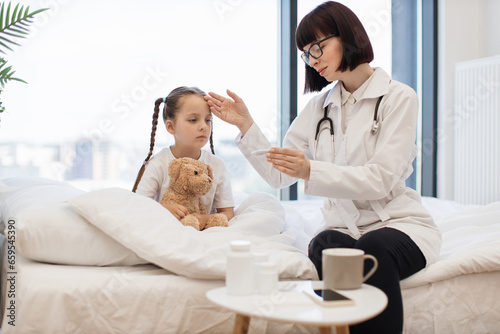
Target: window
95,69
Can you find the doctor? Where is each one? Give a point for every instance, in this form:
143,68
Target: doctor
353,145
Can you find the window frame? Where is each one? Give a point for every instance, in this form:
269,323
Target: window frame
288,77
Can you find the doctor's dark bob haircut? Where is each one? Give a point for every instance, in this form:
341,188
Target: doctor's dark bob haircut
333,18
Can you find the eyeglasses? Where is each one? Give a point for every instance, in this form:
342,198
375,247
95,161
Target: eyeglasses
314,51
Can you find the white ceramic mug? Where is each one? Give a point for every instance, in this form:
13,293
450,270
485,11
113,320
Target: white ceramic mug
343,268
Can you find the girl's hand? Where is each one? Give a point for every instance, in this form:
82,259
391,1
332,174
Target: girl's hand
233,111
290,162
179,211
228,212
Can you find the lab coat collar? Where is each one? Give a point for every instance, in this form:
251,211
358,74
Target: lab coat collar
344,95
376,86
333,96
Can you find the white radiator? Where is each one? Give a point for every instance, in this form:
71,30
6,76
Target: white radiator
477,131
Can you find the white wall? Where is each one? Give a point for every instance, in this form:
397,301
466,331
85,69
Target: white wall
467,30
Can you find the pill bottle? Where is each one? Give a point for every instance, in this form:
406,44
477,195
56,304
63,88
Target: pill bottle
268,278
240,268
258,257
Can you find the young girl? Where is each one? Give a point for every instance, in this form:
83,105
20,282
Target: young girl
188,118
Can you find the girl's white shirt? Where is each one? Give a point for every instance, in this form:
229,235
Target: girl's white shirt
361,175
155,181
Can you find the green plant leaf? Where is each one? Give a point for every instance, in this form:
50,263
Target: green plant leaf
6,73
14,24
4,45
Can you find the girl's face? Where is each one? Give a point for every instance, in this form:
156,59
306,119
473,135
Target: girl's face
192,124
329,62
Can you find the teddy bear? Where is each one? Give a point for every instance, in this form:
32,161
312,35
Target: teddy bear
190,179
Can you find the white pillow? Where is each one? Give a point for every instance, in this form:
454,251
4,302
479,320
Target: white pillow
18,193
47,229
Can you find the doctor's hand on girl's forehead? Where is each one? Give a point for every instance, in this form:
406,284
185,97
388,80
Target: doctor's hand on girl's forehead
231,110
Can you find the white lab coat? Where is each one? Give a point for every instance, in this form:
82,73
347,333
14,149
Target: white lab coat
361,175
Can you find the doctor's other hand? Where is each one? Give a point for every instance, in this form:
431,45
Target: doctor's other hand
233,110
290,162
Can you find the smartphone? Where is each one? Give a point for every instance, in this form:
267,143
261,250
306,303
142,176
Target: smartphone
328,297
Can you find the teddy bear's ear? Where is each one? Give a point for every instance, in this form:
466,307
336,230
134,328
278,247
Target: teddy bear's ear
174,168
210,172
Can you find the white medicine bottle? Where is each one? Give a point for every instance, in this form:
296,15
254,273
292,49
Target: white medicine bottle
267,278
240,268
258,258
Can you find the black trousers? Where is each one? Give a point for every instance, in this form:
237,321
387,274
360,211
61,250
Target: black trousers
398,257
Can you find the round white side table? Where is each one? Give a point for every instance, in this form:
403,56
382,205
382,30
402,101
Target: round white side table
289,304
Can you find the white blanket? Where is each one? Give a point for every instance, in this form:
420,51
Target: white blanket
471,244
154,234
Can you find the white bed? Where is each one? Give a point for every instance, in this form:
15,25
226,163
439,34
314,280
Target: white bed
101,245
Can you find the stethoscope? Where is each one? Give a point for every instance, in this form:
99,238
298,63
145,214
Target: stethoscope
375,125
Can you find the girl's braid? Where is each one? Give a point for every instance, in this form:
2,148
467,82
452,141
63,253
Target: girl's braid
211,137
151,145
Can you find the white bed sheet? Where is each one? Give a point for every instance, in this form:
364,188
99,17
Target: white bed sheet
138,299
462,304
148,299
